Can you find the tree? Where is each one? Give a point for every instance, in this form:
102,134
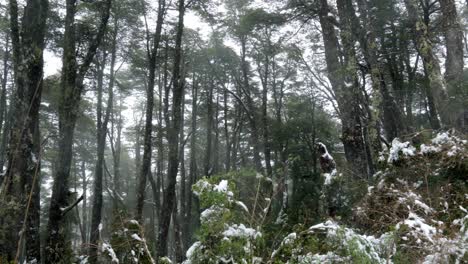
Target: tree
146,163
20,189
453,34
173,137
73,75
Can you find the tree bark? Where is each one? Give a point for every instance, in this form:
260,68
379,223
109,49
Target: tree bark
58,244
169,194
454,63
193,163
344,83
147,146
436,88
19,218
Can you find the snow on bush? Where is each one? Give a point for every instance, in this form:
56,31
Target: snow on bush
223,238
329,242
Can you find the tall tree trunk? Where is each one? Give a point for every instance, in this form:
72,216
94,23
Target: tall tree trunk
392,116
101,146
85,202
216,138
3,101
227,162
58,244
19,218
454,61
345,88
193,163
147,146
251,113
209,130
169,194
436,88
183,181
266,137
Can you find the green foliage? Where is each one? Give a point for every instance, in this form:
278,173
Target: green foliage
222,234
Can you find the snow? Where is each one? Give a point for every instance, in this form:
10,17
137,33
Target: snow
418,226
241,231
326,154
397,146
106,247
212,213
329,177
428,149
243,206
135,222
137,237
222,186
441,138
190,252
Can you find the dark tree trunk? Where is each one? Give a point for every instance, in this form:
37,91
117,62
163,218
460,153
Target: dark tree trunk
454,61
169,194
20,188
147,146
4,120
346,90
85,202
101,145
193,164
251,113
266,136
209,130
58,244
227,162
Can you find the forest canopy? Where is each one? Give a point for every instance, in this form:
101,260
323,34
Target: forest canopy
233,131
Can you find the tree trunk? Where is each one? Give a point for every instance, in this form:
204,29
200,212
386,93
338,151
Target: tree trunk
193,164
147,146
58,244
169,194
454,61
345,88
251,113
19,219
209,130
3,102
436,88
101,145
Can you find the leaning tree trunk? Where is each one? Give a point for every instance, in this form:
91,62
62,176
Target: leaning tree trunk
19,195
169,194
58,244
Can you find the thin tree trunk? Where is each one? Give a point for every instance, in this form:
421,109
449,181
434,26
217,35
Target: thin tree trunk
209,130
101,146
3,102
169,194
147,146
193,163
